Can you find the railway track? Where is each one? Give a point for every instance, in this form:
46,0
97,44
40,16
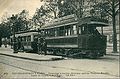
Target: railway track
11,61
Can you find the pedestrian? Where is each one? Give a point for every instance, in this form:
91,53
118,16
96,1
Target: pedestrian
41,45
34,45
45,47
19,43
5,43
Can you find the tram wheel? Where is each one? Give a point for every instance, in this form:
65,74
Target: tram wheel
92,55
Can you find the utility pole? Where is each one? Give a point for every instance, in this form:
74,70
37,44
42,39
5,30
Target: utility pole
119,27
14,39
0,38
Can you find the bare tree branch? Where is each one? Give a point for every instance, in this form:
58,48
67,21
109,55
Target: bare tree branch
74,7
108,12
116,5
110,2
117,11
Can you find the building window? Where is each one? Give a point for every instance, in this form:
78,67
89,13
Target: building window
110,39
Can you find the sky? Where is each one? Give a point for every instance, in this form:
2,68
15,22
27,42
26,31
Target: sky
9,7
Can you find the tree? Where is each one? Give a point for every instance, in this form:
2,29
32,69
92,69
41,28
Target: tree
5,29
45,13
22,20
68,7
51,7
20,23
79,7
0,37
38,18
111,7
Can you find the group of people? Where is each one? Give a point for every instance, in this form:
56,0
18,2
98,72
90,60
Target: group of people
4,42
42,46
39,45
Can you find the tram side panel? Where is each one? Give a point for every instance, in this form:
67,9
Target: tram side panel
79,44
27,42
61,43
93,45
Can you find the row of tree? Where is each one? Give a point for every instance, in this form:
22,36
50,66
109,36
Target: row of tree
51,9
107,9
20,21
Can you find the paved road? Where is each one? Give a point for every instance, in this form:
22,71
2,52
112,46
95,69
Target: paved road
105,67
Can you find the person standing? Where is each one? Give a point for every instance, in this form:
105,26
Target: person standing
41,45
45,47
19,43
5,42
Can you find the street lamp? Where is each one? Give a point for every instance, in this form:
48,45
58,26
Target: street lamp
14,39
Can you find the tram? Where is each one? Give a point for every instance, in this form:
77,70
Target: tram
26,40
67,36
73,37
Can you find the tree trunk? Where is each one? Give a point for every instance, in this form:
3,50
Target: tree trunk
119,27
0,40
55,16
114,28
114,35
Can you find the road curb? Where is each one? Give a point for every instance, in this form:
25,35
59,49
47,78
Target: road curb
52,59
112,55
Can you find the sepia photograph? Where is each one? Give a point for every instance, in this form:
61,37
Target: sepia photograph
59,39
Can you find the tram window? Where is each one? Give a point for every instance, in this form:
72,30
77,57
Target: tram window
20,38
55,32
35,36
52,32
28,38
71,30
46,32
24,38
110,38
58,32
68,31
49,32
61,31
74,29
43,33
79,30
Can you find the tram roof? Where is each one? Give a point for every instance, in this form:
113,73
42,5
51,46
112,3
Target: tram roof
72,19
25,33
63,21
28,31
93,21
